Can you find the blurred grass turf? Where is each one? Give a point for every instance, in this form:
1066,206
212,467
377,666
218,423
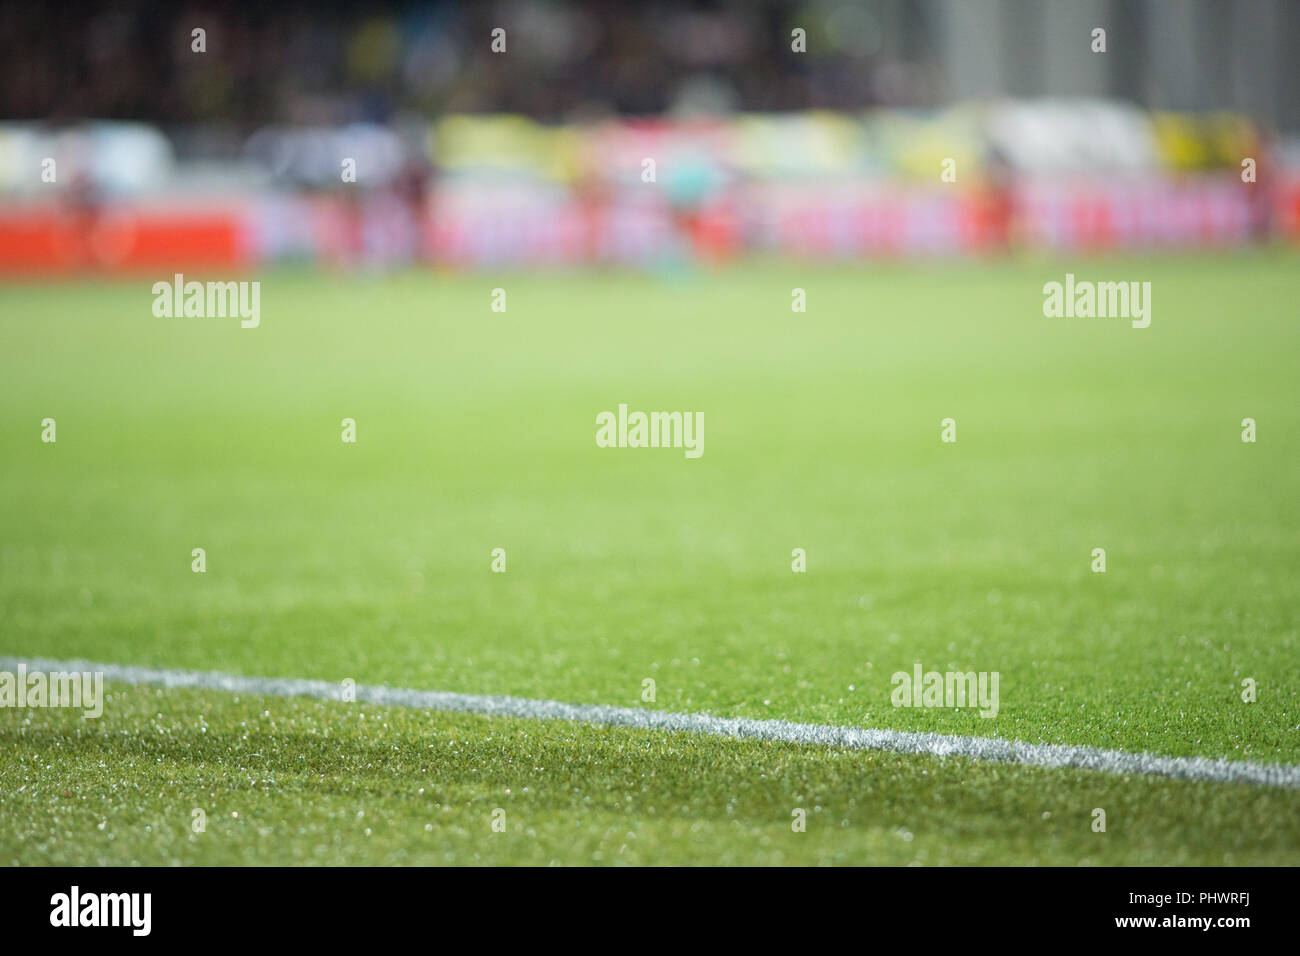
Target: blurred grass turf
476,430
313,782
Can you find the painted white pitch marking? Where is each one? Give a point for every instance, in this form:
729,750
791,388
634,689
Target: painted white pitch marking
855,738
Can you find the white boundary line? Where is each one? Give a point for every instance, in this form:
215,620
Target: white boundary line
855,738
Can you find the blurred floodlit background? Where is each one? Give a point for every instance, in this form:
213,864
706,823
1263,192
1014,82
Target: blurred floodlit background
123,148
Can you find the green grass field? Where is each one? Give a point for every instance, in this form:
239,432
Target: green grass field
475,429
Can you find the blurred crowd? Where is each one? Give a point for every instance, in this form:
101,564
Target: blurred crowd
328,62
142,133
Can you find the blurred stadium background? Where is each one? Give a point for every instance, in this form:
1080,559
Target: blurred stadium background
166,158
776,172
